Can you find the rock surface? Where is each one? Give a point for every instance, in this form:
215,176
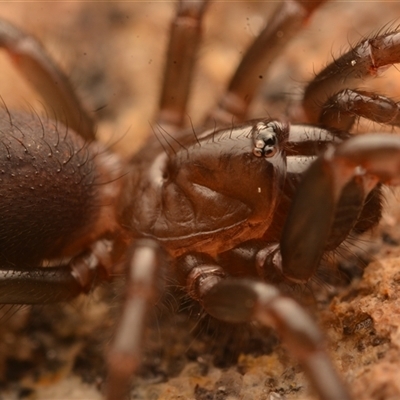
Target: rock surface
114,54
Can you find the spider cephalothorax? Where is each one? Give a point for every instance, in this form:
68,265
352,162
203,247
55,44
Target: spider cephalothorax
230,209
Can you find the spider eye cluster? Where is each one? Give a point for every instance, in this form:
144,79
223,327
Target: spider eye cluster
265,139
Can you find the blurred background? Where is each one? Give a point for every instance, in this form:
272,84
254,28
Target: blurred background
114,53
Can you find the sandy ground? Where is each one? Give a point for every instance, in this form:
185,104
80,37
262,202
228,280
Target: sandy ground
114,53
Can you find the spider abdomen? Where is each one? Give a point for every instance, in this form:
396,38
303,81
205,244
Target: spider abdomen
47,187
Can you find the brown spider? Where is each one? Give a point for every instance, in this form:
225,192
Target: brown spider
21,258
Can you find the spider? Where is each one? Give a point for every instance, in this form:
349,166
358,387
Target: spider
261,128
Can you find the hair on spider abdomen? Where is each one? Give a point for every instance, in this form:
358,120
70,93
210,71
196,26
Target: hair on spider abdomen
50,188
47,187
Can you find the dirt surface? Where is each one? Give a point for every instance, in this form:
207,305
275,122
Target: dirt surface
114,53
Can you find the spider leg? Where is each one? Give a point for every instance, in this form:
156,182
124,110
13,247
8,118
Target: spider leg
42,285
37,67
242,300
181,56
369,58
309,225
343,108
284,24
185,36
37,285
145,281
